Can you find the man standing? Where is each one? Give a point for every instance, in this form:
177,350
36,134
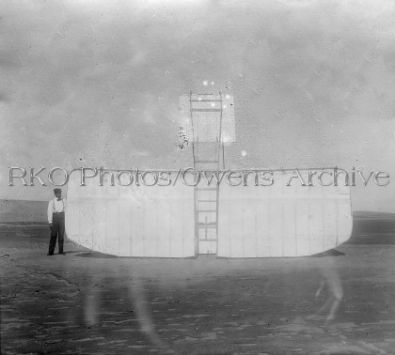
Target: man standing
56,208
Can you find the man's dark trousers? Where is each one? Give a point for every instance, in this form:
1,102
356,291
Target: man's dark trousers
57,230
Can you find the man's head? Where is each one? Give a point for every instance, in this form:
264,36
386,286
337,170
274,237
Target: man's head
58,193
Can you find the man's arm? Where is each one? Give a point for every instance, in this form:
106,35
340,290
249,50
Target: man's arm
50,211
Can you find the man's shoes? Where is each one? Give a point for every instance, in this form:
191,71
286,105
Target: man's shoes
49,254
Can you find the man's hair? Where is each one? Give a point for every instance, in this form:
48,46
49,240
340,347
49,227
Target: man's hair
57,190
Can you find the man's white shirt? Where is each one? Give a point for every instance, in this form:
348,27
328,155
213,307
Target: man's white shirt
55,206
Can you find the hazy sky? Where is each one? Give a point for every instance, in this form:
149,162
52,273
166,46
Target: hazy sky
97,83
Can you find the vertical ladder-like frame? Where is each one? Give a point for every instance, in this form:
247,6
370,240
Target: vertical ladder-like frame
206,198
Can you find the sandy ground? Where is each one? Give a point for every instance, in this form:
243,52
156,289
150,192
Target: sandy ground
87,303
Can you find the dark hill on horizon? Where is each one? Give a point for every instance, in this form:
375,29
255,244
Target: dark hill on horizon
23,211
